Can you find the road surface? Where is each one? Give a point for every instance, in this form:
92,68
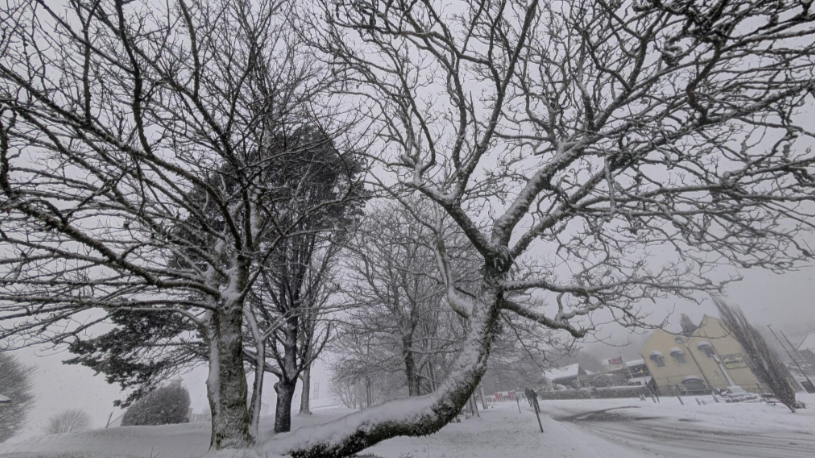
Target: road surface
686,438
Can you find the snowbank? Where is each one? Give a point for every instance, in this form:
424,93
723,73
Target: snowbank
501,431
726,417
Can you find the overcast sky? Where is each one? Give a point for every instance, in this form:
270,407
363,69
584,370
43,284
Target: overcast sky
786,301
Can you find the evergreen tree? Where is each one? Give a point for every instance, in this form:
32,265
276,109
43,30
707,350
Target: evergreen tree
763,361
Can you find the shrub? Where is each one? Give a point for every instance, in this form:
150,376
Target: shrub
67,421
164,406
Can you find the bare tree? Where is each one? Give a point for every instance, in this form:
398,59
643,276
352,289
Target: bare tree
296,283
395,305
595,153
137,150
68,421
17,384
763,360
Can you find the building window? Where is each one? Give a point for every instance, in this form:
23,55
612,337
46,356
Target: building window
679,356
657,358
694,385
706,348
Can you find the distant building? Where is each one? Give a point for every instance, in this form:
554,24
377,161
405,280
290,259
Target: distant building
572,376
631,373
807,348
706,358
4,400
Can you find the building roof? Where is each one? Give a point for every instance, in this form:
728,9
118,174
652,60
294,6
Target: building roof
572,370
4,400
808,343
636,362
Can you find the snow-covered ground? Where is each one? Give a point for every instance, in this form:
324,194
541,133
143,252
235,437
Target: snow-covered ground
573,429
671,429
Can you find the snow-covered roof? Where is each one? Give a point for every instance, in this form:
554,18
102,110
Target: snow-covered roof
4,400
636,362
703,343
641,380
677,350
808,343
572,370
655,354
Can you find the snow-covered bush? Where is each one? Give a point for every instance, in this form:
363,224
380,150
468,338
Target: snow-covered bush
164,406
68,421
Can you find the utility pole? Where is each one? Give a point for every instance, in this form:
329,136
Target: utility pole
788,352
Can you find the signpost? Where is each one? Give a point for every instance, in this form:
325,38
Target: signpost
537,407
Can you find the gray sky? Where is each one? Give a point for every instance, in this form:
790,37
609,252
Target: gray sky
786,301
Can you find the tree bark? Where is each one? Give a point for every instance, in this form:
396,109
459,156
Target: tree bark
410,368
416,416
226,384
287,384
305,396
285,392
257,392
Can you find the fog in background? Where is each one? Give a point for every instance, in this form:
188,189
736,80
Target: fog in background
785,301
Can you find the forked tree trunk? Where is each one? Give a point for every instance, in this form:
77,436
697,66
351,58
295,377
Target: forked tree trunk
285,393
285,387
413,416
305,396
226,384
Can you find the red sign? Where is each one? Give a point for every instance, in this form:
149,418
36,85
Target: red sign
616,360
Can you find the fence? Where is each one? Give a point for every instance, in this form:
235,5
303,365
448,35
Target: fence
700,389
596,393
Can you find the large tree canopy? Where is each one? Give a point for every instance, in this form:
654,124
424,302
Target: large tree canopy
140,169
597,155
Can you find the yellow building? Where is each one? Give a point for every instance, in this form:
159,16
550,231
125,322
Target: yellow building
697,360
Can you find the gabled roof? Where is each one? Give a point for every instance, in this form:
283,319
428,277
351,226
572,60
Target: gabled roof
808,343
4,400
572,370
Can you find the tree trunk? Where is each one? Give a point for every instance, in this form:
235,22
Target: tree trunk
410,368
257,392
285,392
287,384
305,396
226,384
416,416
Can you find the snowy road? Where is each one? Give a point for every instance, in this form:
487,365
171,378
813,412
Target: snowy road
652,435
